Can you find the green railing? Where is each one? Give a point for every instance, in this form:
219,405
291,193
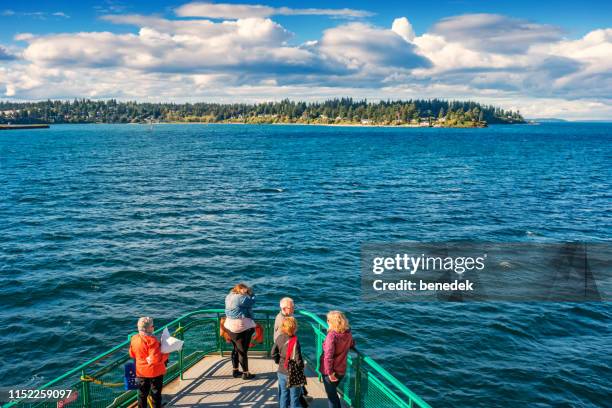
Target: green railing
365,385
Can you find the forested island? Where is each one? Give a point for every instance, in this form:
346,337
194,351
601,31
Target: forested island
344,111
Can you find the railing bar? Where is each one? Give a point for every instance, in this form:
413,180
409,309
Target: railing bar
318,326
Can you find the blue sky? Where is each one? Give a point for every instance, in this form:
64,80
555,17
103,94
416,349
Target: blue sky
546,58
576,17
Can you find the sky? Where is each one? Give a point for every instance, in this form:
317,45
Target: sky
544,58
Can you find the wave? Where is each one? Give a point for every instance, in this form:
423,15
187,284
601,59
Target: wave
267,190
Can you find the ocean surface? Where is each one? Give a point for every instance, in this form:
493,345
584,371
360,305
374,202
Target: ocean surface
100,224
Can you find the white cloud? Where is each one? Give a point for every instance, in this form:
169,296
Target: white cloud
495,33
563,68
448,56
237,11
249,44
23,36
402,27
594,50
41,15
357,45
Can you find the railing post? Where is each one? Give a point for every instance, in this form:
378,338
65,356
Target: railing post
181,352
85,390
358,399
319,349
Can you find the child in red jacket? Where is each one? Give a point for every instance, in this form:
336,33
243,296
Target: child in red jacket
145,349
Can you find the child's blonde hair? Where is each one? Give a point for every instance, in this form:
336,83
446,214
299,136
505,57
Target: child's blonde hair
289,326
337,321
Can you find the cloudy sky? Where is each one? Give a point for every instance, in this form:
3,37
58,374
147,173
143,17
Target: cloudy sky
547,59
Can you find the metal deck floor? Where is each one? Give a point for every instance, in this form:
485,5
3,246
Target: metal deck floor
209,383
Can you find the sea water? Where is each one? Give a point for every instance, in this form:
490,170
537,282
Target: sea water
100,224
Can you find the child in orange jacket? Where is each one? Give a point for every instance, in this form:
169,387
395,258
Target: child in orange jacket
145,349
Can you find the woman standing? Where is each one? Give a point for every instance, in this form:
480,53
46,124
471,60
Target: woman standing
240,326
145,349
287,347
335,352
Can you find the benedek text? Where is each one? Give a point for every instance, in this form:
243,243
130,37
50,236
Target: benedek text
405,284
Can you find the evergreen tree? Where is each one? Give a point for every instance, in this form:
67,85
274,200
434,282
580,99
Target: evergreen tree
457,113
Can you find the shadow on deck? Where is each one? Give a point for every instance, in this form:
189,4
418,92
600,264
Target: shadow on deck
210,383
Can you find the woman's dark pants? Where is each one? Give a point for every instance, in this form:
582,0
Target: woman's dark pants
331,389
154,385
241,341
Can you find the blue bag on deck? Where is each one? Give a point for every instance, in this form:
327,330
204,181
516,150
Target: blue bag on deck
129,376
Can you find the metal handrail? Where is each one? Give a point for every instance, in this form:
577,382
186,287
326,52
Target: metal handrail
374,365
359,357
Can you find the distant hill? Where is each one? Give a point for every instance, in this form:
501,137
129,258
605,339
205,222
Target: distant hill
414,112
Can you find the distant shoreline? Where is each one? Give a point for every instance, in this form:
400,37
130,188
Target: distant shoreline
411,126
403,125
352,125
25,126
307,124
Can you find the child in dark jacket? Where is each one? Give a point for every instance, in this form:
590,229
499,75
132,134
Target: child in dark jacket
284,346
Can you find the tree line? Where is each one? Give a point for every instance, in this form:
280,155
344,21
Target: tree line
343,111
